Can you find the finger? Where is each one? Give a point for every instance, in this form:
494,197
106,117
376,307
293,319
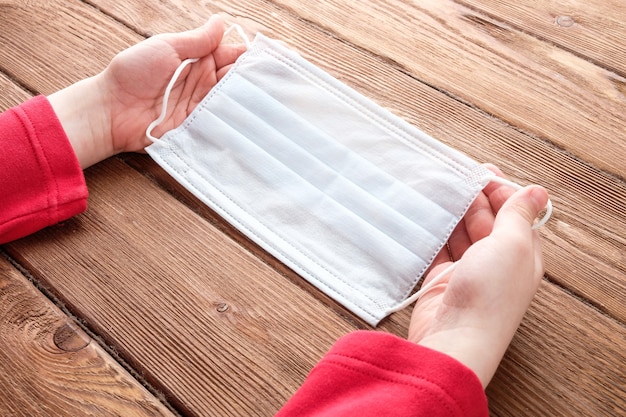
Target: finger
222,71
199,82
479,219
521,209
227,54
433,273
459,241
199,42
497,193
442,256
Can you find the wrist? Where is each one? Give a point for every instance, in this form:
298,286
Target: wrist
84,114
478,350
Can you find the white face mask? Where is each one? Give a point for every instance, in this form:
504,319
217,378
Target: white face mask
349,196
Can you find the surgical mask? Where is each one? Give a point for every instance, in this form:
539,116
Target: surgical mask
348,195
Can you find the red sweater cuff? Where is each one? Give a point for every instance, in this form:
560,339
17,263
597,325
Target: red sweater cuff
42,182
377,374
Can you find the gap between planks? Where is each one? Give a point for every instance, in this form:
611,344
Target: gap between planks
47,296
601,220
55,369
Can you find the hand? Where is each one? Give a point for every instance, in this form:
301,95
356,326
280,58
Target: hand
474,313
109,113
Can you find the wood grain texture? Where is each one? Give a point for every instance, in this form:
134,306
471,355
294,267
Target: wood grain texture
217,325
207,323
150,18
526,82
221,331
396,323
67,32
10,94
49,367
562,346
593,29
589,222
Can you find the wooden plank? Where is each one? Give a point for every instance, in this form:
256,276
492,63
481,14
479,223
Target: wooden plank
588,223
10,94
589,220
49,367
212,378
397,323
210,325
567,359
448,120
223,333
67,32
149,17
595,244
593,29
572,172
529,83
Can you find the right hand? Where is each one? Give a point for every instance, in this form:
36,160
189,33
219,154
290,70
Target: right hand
473,314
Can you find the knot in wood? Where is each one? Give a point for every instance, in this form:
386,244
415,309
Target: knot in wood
222,307
565,21
70,338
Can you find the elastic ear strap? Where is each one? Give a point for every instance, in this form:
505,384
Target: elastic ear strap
424,288
436,280
166,97
180,69
240,32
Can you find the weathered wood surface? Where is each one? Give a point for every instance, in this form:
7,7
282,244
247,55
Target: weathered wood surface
12,94
590,203
522,80
592,29
201,318
217,324
50,367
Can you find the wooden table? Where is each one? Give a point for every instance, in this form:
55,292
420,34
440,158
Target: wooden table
150,304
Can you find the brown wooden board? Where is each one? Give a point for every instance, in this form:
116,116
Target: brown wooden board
562,346
176,298
76,40
10,94
525,81
50,367
221,331
588,222
593,29
207,323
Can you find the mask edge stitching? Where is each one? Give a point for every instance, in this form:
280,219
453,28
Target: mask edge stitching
382,120
381,307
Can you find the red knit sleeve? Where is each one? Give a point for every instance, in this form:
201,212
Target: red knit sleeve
375,374
41,182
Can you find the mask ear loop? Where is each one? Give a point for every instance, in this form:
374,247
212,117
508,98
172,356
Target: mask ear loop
516,186
437,279
177,73
166,97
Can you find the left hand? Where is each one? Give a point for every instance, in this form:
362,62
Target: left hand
137,77
117,105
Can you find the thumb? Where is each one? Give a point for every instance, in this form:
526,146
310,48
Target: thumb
522,208
199,42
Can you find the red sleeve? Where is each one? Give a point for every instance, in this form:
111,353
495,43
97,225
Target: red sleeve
41,182
378,374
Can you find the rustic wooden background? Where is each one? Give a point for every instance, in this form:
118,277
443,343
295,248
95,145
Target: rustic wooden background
150,304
